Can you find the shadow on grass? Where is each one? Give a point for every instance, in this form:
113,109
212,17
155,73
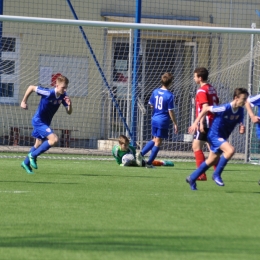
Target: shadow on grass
123,176
135,241
40,182
239,191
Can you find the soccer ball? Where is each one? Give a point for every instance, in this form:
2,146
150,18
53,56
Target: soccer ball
128,159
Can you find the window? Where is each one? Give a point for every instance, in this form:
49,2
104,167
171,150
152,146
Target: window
6,89
9,69
74,68
8,44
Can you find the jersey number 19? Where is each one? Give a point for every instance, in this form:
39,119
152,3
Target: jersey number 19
159,102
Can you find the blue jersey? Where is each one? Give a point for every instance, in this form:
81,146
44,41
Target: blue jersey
225,120
48,106
255,101
162,101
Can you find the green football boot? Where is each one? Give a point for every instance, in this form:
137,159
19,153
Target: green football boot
27,168
32,161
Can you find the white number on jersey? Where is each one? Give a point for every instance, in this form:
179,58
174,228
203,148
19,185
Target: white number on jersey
159,102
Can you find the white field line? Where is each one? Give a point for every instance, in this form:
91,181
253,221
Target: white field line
13,191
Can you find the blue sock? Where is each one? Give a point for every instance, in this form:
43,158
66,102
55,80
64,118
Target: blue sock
221,165
26,160
153,155
203,167
41,149
147,147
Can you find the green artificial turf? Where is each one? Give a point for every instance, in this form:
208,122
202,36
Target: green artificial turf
98,210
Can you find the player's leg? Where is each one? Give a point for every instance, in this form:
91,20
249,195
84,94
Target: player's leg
156,148
199,140
51,139
26,163
216,164
148,147
213,157
228,151
258,136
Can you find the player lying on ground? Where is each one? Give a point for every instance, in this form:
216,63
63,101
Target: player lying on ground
206,96
48,106
124,148
162,103
125,154
226,117
251,102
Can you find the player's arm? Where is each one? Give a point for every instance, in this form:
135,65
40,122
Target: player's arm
202,119
28,92
68,105
152,101
203,112
254,118
173,118
114,152
242,128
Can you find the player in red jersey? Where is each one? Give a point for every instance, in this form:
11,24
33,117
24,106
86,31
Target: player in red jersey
206,96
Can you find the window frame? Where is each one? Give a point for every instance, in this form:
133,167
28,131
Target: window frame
12,78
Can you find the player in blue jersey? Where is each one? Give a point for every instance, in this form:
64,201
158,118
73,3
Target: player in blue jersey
162,103
48,106
251,102
226,117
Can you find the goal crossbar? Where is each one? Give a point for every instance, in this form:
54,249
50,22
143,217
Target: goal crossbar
145,26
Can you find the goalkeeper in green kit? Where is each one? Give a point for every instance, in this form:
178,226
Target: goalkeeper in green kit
125,154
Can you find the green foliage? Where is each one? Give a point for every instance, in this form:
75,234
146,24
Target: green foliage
98,210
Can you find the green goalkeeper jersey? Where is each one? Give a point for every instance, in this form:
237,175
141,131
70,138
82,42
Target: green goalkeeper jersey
118,154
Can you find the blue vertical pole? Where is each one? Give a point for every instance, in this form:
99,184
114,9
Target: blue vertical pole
1,35
135,73
100,70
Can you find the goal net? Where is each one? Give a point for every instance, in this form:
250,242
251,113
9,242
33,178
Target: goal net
99,64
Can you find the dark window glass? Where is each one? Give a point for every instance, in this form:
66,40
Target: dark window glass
6,89
8,44
7,67
121,53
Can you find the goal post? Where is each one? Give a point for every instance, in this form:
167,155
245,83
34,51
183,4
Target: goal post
35,50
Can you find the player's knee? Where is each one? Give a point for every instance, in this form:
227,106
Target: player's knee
230,152
53,140
158,141
195,147
56,139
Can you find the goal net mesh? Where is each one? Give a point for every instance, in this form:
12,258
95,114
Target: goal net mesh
99,68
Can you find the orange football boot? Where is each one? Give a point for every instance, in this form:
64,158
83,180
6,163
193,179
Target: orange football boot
202,177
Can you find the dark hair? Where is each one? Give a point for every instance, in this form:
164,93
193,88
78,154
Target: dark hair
122,139
239,91
167,79
202,72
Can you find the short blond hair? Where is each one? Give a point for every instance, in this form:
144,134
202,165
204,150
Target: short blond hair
62,79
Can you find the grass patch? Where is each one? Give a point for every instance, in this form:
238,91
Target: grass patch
99,210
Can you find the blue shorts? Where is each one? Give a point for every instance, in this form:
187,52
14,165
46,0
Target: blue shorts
158,132
41,131
215,143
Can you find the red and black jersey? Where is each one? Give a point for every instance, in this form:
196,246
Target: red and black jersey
206,94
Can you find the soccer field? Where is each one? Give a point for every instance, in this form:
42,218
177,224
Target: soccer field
98,210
